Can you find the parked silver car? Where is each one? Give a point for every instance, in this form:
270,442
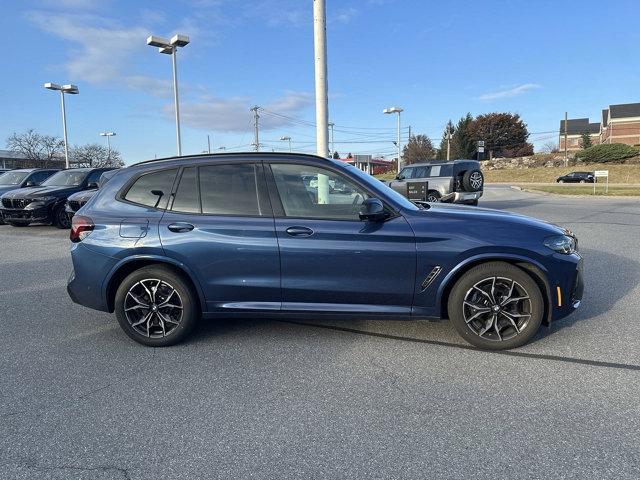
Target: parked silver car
457,181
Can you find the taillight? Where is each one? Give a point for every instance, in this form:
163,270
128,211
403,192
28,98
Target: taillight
81,227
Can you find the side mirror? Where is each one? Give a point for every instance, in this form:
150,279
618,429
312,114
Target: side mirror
372,210
31,183
92,185
399,177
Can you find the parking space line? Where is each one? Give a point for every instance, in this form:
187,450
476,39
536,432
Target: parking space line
508,353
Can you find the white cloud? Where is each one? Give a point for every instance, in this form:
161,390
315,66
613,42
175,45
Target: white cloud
232,114
510,92
346,15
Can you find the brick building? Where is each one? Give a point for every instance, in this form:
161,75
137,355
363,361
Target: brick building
619,124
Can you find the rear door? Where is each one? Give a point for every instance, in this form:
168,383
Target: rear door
220,224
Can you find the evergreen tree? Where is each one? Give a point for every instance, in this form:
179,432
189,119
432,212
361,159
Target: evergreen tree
462,142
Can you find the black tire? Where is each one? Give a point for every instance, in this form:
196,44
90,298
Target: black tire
18,224
433,196
190,312
60,217
473,203
560,181
473,180
529,311
582,181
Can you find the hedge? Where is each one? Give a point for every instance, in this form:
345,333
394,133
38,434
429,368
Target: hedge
608,152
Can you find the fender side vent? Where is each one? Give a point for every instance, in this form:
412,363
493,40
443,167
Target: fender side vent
430,278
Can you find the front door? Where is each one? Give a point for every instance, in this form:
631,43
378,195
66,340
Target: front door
331,261
220,223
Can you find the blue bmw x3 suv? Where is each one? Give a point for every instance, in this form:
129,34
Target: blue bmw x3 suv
167,242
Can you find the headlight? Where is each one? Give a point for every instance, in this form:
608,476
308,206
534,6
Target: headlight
562,244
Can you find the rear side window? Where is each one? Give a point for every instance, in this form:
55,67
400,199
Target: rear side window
229,189
152,189
94,176
187,198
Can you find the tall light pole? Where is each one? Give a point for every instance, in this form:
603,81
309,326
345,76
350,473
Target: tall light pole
333,145
71,90
108,135
285,139
170,47
397,110
320,56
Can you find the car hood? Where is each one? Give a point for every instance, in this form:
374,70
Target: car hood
7,188
82,196
37,192
484,222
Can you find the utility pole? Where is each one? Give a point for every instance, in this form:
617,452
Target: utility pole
208,143
256,139
409,132
333,146
566,153
320,56
448,142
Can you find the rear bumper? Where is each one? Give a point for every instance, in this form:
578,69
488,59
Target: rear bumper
461,197
85,284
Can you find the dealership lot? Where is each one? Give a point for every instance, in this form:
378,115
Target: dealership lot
275,399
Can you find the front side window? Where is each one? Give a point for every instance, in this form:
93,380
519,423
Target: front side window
66,178
13,178
40,177
406,173
312,192
229,189
152,189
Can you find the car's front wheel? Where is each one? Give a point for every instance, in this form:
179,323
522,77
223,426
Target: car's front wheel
496,306
155,306
60,217
560,181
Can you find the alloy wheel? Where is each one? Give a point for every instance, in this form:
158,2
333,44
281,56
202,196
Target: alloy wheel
153,308
476,180
497,308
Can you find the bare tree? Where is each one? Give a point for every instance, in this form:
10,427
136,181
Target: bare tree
95,155
38,150
550,147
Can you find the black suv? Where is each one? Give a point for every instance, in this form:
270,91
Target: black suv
577,177
78,200
46,203
23,178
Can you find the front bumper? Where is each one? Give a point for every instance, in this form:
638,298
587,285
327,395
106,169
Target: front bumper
39,214
567,291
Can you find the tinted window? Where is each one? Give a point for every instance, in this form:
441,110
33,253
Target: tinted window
312,192
187,198
40,177
94,177
160,182
12,178
229,189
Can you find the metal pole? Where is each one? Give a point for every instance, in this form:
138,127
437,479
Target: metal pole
320,54
399,147
256,132
566,157
333,145
208,143
64,131
289,144
448,143
175,99
108,147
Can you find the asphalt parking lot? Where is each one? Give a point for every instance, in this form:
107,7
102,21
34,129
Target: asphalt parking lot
277,400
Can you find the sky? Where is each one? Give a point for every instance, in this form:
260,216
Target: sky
437,60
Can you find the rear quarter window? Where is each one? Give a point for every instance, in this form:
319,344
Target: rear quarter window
152,189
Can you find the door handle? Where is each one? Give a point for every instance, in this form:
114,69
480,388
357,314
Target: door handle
299,231
180,227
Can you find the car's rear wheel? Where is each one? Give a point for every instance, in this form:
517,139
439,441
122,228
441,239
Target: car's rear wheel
155,306
496,306
560,181
433,196
60,217
582,181
18,224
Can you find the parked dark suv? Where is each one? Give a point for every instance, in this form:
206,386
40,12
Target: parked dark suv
77,200
577,177
168,241
23,178
46,203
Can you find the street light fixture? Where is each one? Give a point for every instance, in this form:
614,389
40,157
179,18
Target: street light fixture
108,135
397,110
170,47
284,139
71,90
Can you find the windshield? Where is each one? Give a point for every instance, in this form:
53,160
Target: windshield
68,178
13,178
369,180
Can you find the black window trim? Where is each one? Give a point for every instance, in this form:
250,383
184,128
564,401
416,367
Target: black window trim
276,202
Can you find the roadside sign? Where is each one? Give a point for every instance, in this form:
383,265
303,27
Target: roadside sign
601,174
480,149
481,143
417,191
